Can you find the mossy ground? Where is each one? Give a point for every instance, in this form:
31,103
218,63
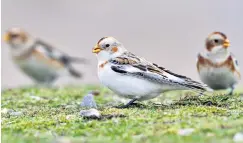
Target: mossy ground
214,118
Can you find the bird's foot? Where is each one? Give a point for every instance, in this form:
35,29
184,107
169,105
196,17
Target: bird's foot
231,91
130,103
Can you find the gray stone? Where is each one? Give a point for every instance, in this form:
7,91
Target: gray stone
238,137
91,113
88,100
5,110
185,132
16,113
35,97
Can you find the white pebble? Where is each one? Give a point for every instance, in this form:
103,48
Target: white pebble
70,117
5,110
62,140
238,137
16,113
35,97
90,113
185,132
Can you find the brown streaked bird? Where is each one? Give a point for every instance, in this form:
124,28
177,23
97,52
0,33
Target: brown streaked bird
217,66
134,77
39,60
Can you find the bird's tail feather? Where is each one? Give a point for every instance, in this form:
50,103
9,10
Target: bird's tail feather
74,72
197,87
78,60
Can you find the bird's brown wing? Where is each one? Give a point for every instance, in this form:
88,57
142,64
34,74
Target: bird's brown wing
130,64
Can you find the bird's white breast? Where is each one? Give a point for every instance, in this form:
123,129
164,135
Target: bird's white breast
218,78
128,86
37,69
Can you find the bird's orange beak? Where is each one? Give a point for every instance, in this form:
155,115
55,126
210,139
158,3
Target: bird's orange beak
96,49
6,37
226,43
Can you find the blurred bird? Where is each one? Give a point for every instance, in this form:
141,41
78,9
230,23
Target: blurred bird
217,66
39,60
133,77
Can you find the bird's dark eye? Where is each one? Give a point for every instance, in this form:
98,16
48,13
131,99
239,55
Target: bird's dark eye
216,40
107,45
14,35
236,63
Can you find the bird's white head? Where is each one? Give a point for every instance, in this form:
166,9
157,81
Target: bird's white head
217,43
107,48
17,38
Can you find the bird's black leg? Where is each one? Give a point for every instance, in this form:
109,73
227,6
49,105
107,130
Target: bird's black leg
231,90
128,104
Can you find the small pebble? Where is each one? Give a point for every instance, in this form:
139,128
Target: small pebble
16,113
35,97
88,100
238,137
70,117
5,110
62,140
210,134
63,124
185,132
115,121
37,134
91,113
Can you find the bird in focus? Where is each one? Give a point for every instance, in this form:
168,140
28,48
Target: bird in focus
39,60
135,78
217,66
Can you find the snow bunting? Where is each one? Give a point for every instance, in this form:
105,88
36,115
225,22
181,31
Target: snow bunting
217,67
133,77
39,60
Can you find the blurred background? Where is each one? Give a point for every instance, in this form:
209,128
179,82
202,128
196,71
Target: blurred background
169,33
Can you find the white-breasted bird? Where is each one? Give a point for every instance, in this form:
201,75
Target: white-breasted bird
136,78
37,59
217,66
